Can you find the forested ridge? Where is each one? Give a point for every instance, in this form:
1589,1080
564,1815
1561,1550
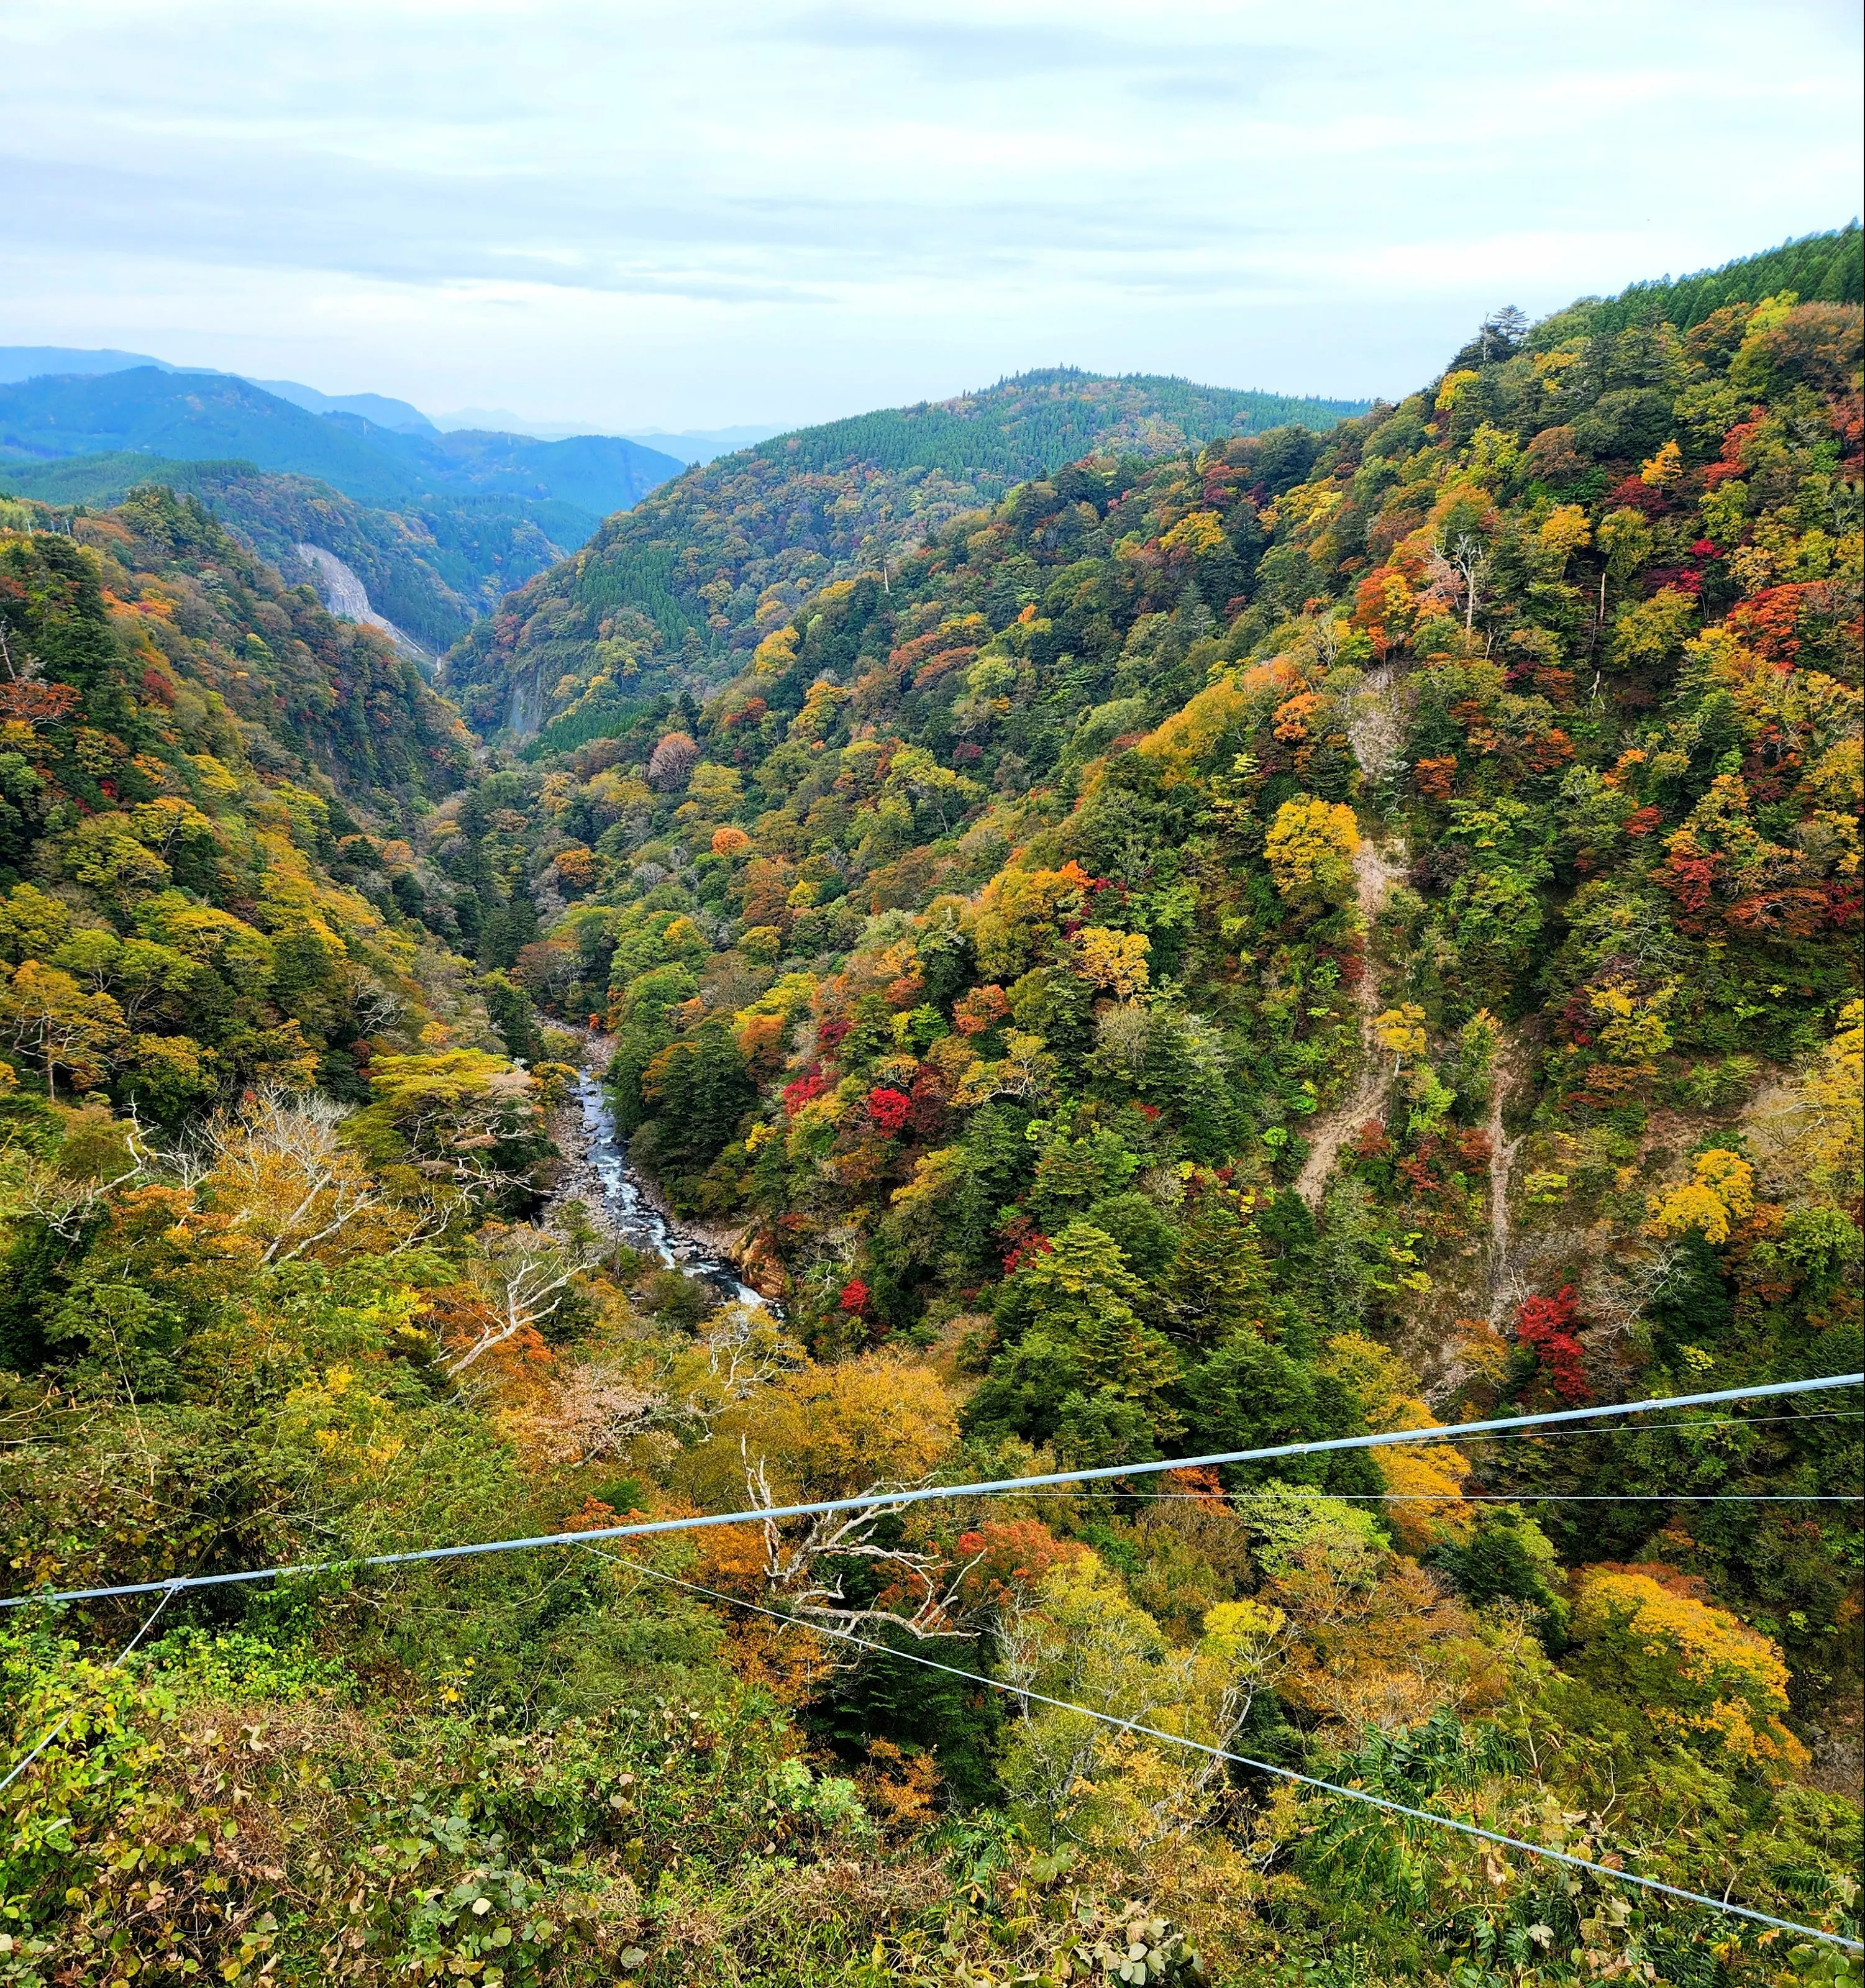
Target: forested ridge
1818,268
431,567
1045,417
1300,934
683,588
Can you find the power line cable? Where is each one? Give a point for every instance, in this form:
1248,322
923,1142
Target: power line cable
1650,1429
1243,1761
149,1623
893,1500
1295,1497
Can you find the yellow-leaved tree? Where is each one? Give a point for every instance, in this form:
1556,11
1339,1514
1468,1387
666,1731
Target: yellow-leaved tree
1311,845
1695,1670
803,1431
1720,1192
1401,1030
1426,1479
1115,962
279,1171
1812,1140
46,1015
1076,1635
1376,1641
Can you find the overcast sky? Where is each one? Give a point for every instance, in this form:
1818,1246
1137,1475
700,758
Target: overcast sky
685,215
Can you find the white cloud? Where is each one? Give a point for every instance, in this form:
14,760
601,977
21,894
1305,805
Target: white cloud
636,215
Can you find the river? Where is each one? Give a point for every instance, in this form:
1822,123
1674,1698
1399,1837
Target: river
629,1208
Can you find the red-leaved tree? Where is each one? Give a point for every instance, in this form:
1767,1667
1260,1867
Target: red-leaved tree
1545,1324
889,1110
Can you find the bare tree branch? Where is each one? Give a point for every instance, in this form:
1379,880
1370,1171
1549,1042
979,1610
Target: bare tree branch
801,1567
522,1278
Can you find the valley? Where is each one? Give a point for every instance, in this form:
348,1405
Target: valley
1097,923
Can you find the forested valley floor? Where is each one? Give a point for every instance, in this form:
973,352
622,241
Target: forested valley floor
1314,934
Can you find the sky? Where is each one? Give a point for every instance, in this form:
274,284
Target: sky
639,216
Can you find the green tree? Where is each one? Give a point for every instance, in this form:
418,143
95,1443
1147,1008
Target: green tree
514,1014
1218,1281
1084,1371
1250,1394
697,1090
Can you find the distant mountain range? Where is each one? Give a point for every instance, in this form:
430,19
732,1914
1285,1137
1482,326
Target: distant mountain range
687,445
436,526
196,416
396,416
704,445
29,362
690,445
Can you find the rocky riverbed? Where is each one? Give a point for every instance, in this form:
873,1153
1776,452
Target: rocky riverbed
596,1172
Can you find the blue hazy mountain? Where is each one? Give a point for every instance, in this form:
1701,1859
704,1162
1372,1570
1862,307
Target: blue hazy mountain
31,362
199,416
398,416
688,445
704,444
26,362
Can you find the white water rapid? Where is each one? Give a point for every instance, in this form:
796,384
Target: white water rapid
629,1208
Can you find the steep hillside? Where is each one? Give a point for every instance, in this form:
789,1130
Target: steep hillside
199,768
432,565
685,587
260,1153
398,555
1203,937
1148,702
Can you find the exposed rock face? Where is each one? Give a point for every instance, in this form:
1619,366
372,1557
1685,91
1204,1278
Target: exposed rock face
345,595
